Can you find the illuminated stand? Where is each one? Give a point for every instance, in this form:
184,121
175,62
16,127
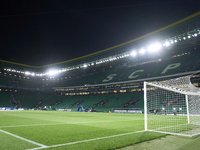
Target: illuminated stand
172,107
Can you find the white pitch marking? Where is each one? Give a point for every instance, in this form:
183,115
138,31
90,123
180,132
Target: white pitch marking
87,140
30,125
51,124
19,137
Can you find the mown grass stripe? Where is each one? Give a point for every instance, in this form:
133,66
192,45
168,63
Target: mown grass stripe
51,124
86,140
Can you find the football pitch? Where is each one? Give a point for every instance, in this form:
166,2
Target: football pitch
32,130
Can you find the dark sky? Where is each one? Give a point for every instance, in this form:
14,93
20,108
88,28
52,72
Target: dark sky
43,32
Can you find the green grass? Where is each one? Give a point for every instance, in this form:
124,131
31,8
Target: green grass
169,142
54,128
174,124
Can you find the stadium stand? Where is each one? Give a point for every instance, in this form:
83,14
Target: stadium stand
108,79
141,71
152,69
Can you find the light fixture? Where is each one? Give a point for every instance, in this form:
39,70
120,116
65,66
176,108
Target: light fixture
133,53
142,51
166,43
154,47
52,72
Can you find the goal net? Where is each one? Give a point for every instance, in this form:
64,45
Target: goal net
172,107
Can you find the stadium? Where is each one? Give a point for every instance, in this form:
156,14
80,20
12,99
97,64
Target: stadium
97,101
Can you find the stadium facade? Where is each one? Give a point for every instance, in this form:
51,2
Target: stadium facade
108,79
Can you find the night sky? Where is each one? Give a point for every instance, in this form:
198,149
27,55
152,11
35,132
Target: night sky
44,32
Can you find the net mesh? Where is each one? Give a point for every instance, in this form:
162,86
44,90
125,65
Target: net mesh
173,106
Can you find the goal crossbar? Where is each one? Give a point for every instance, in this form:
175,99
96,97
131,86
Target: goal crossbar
171,89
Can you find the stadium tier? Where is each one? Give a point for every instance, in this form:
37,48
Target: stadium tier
96,102
159,68
179,64
174,65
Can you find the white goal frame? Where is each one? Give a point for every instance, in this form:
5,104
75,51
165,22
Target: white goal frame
162,119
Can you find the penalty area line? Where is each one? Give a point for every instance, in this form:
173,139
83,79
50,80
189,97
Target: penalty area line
95,139
19,137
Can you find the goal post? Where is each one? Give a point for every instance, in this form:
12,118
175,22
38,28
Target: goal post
145,106
172,107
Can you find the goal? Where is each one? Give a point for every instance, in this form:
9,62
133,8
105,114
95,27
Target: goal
172,107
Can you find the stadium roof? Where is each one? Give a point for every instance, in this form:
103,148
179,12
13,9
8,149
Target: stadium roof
181,27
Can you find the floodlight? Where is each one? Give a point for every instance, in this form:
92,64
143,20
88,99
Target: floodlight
184,38
195,34
175,41
133,53
33,74
142,51
167,43
189,37
154,47
84,65
127,55
27,73
52,72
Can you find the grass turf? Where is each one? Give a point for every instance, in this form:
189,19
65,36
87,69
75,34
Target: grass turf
54,128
